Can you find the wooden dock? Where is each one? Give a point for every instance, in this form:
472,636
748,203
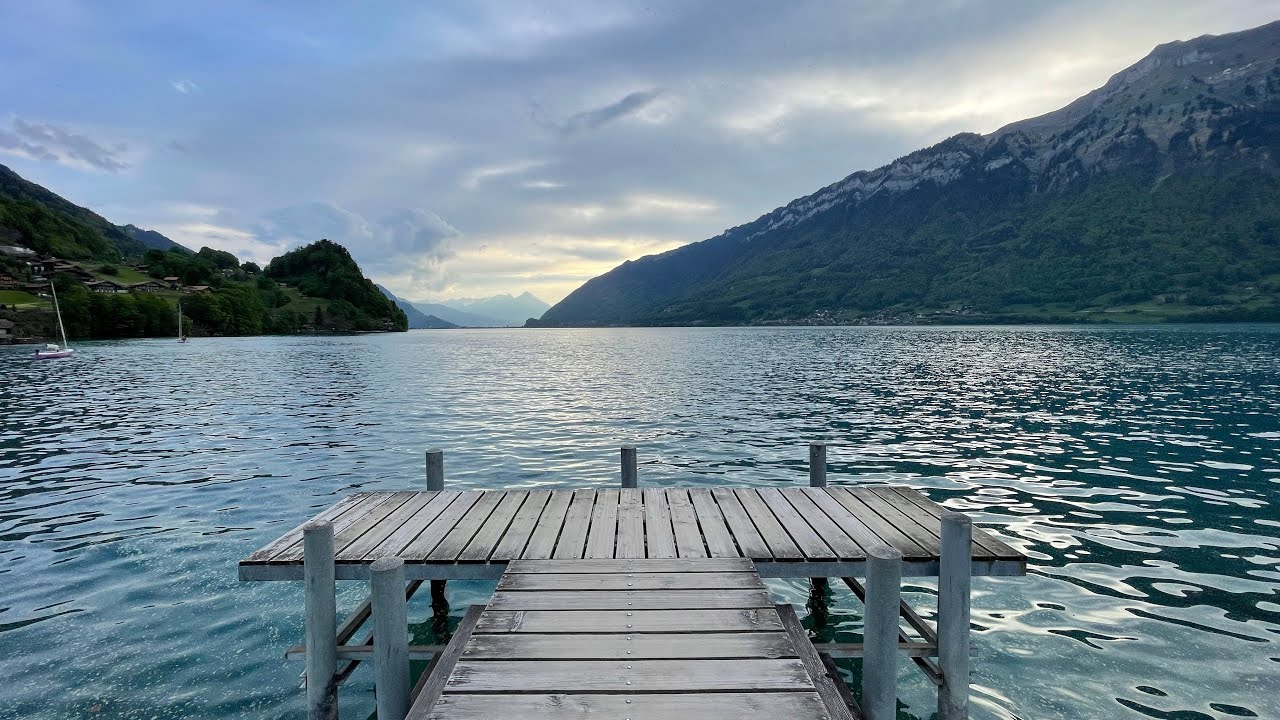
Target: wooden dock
639,639
635,603
787,532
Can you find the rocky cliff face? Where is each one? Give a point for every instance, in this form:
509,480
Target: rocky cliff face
1209,105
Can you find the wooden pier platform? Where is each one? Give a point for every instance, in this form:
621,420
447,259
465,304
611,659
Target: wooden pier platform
636,638
787,532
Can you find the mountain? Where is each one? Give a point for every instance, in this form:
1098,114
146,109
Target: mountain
504,308
34,217
458,317
1155,197
417,319
324,269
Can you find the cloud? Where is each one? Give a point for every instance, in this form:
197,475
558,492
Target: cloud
54,143
186,87
478,175
601,116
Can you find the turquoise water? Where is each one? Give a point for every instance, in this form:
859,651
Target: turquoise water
1138,468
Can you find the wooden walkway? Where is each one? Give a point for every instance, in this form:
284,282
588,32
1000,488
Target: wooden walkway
788,532
643,639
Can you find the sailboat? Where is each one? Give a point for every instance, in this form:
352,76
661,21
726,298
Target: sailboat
181,337
52,350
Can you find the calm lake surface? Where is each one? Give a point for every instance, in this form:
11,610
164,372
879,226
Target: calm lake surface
1138,468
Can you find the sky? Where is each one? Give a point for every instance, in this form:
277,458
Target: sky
475,148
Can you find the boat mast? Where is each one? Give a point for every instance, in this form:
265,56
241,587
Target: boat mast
179,318
58,312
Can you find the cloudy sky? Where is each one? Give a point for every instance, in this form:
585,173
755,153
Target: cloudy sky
476,148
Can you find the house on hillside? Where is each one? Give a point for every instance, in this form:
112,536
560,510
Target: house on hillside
9,282
148,286
198,288
6,331
174,282
107,287
75,271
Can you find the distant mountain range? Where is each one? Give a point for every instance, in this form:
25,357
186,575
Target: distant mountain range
418,320
1153,198
504,309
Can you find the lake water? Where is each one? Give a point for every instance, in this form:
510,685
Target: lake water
1139,468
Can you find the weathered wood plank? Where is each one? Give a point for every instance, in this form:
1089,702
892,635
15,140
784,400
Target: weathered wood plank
982,538
543,541
641,565
432,681
369,520
648,706
851,524
421,546
804,536
660,537
620,646
781,546
620,621
744,531
630,524
372,502
294,536
495,526
888,534
415,515
575,676
573,535
685,523
603,534
825,684
714,530
844,546
904,523
629,600
466,528
630,581
517,536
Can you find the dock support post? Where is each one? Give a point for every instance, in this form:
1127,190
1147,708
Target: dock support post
435,469
817,464
818,479
435,481
390,637
321,618
630,473
880,633
954,578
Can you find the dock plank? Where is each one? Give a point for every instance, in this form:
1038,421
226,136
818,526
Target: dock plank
630,524
465,529
981,537
744,531
294,536
824,527
603,534
630,581
900,521
809,542
421,509
576,676
421,546
684,521
649,706
630,600
621,646
661,539
293,553
485,541
638,621
543,541
573,535
711,520
668,565
849,523
518,534
884,530
781,546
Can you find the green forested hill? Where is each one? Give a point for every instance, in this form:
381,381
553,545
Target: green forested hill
325,269
1156,197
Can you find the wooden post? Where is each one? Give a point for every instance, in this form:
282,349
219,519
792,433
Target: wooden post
435,469
817,464
818,479
954,578
630,473
435,481
880,633
390,637
321,618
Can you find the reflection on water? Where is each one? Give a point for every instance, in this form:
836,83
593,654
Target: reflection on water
1137,467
